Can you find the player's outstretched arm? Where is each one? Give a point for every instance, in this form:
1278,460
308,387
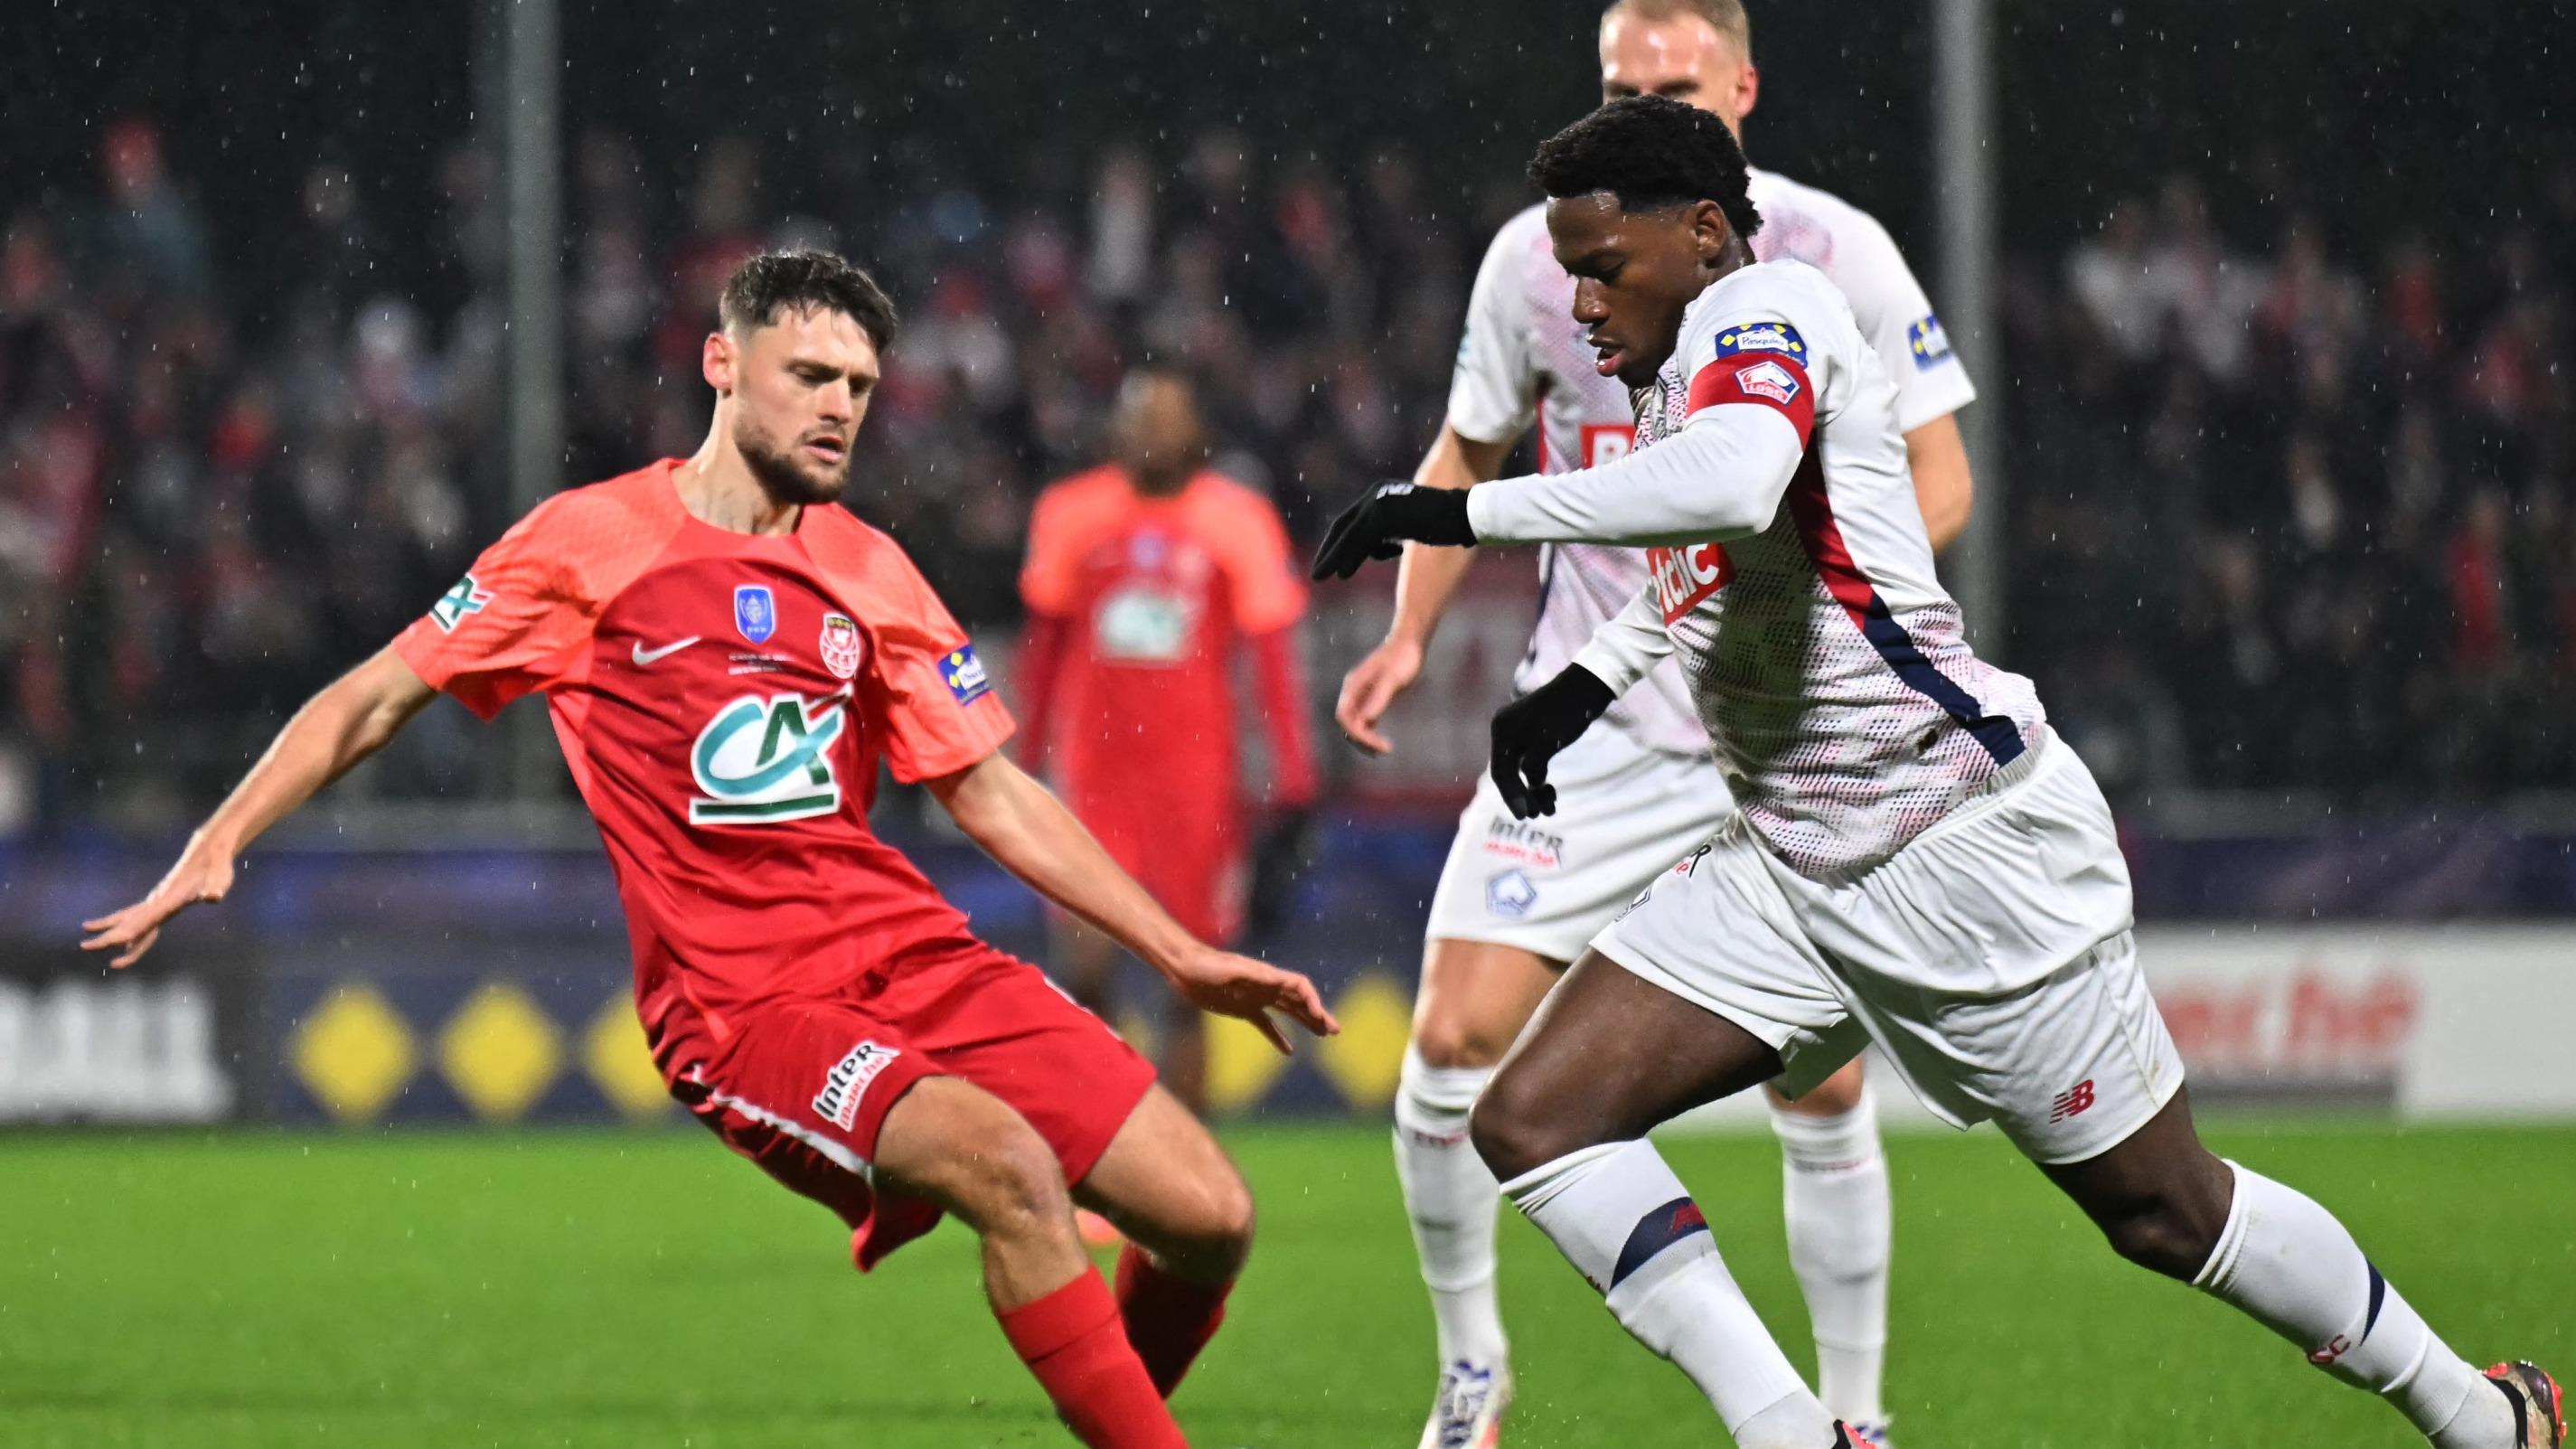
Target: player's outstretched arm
349,720
1022,825
1425,582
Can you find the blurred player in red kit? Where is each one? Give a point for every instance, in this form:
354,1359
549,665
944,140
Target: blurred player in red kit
727,655
1146,576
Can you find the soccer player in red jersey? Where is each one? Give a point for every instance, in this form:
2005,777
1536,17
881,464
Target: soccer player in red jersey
1145,579
728,655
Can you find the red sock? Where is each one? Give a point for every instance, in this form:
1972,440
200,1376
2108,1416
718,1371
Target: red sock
1071,1343
1168,1319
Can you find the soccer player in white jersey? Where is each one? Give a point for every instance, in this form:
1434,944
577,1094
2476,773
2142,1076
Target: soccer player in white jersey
1517,902
1918,862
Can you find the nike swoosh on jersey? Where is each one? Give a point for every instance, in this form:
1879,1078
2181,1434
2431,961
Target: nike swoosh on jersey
644,656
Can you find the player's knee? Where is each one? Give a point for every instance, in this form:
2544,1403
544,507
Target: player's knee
1448,1041
2174,1224
1835,1096
1008,1183
1222,1236
2170,1232
1513,1135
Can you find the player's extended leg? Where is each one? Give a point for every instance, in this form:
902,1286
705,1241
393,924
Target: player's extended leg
1187,1215
968,1151
2167,1203
1475,998
1834,1196
1563,1126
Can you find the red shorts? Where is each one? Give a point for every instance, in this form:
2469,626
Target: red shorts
802,1086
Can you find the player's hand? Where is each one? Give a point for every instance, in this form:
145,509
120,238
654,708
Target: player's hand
1378,525
1249,990
1371,689
204,873
1530,730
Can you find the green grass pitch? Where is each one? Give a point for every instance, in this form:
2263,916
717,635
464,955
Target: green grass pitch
260,1290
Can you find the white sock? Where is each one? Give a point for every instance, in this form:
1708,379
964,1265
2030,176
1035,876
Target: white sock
1622,1219
1840,1229
1452,1199
2287,1263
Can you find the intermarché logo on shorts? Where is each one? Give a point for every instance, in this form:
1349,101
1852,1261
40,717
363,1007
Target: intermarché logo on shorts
838,1102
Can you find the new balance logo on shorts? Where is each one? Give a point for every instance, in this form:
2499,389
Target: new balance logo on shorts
838,1102
2072,1102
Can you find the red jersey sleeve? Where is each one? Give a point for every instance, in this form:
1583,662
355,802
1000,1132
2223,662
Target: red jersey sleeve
1051,571
935,703
1262,576
518,621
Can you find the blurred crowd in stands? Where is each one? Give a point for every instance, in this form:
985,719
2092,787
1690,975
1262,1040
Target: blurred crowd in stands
2283,516
2295,518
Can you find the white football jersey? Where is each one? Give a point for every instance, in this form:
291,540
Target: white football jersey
1817,647
1524,360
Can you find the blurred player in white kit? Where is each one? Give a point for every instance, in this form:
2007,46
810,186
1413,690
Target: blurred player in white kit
1519,900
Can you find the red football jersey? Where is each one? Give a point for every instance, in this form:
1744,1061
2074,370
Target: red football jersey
1155,592
723,700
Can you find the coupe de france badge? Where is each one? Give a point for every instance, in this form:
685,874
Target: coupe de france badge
965,674
840,645
755,613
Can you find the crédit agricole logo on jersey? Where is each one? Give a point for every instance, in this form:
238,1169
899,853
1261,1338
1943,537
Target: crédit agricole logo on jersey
765,758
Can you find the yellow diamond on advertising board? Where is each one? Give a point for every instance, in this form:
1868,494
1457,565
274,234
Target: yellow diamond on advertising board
614,1053
1241,1064
499,1051
1364,1060
352,1052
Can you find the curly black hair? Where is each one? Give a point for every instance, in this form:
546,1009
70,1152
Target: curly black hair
765,284
1651,152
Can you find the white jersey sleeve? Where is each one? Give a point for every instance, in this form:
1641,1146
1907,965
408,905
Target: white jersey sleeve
1856,254
1494,389
1721,477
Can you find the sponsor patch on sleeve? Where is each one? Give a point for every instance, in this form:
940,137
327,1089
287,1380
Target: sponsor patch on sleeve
1928,342
1777,337
965,674
453,607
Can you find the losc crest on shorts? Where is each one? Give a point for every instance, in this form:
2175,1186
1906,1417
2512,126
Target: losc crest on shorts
1623,813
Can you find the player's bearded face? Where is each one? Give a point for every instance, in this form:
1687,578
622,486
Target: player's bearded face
801,387
1634,273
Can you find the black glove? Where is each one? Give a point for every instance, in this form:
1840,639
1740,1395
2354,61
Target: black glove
1377,526
1286,847
1531,729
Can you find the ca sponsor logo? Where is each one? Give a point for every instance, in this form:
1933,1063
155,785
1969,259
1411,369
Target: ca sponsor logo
453,607
1685,576
766,758
838,1102
1142,624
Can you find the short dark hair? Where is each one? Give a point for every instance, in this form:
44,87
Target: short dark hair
1651,152
766,284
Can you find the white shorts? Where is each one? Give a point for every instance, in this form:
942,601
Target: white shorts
1991,960
1547,886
